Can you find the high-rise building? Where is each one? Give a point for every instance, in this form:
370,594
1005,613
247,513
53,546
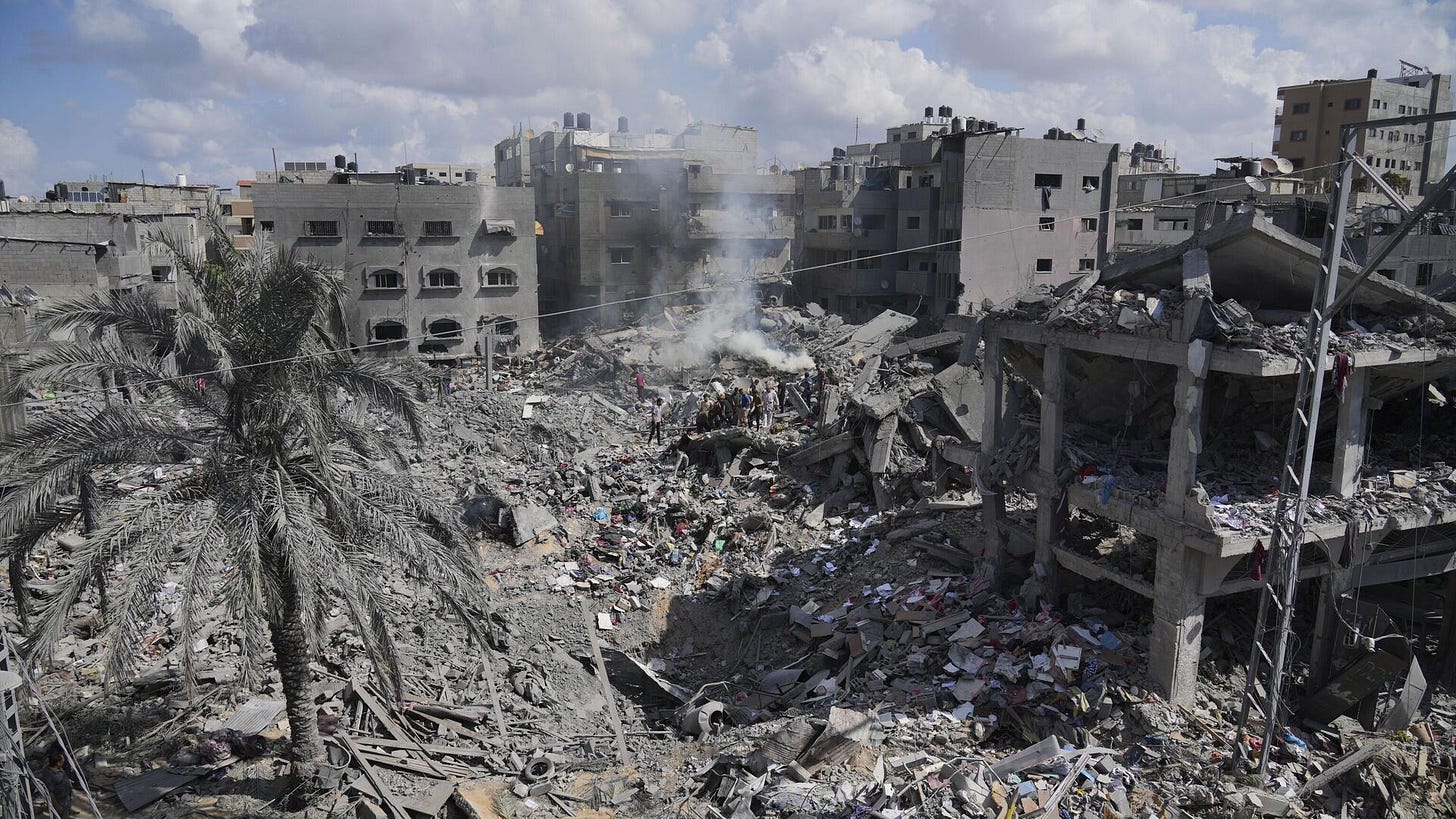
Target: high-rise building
1308,119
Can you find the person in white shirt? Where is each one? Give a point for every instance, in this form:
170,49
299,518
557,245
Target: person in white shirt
656,430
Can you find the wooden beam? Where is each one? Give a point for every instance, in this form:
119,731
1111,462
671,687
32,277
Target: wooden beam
624,757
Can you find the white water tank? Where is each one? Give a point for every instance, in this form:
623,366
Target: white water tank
181,179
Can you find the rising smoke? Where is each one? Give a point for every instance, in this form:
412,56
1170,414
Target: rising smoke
730,324
745,250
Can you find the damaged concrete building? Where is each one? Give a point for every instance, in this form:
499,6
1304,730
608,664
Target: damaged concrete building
433,268
626,215
1145,409
883,222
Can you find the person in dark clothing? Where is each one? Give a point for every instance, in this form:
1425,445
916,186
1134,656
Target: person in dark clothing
57,780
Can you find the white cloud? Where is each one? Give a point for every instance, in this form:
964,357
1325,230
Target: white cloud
220,81
713,51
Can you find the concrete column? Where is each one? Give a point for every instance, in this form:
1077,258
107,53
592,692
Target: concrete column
993,506
1177,622
1350,434
1448,633
1049,508
1178,599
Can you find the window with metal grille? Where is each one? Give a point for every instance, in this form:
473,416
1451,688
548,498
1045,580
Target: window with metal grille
439,228
320,228
385,280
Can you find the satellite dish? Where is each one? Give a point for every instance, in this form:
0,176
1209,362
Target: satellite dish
1257,184
1269,165
1285,166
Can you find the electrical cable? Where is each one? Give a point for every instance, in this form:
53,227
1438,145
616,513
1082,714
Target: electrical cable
703,288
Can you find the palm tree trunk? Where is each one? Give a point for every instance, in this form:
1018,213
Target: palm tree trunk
88,525
17,589
292,655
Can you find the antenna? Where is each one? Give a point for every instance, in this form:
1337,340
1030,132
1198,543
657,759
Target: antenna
1256,184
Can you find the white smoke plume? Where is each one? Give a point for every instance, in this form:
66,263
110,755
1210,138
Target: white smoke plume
729,325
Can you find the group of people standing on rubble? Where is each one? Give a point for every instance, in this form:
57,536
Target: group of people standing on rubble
755,407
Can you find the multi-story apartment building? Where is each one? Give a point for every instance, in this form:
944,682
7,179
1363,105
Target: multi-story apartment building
1063,184
628,215
883,223
1307,124
432,269
868,229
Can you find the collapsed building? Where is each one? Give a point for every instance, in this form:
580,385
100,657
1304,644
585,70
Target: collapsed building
1149,404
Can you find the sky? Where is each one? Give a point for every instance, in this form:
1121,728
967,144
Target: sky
97,89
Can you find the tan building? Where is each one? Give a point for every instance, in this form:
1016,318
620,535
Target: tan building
1307,124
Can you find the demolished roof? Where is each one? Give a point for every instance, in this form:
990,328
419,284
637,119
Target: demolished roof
1251,260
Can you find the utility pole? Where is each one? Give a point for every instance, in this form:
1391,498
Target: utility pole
1269,658
15,801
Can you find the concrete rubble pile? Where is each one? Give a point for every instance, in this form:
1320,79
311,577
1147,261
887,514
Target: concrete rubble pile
787,620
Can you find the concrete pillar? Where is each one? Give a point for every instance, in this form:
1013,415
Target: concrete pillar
1350,434
1448,633
1177,621
1178,598
993,504
1050,509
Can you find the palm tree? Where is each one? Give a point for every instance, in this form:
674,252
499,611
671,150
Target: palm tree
277,503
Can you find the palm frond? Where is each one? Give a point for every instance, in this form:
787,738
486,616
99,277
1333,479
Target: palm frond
45,458
124,311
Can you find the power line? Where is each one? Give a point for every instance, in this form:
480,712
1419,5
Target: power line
1240,185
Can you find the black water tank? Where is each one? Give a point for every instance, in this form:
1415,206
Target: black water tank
340,161
1372,74
929,111
1081,123
583,121
568,121
621,125
352,167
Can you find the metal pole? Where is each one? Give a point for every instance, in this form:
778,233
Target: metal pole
14,790
490,358
1289,514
